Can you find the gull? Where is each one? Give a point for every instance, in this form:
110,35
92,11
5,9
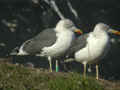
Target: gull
51,43
91,47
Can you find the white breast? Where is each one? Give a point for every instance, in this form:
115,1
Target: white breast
93,50
62,44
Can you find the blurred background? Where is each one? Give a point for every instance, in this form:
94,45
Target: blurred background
21,20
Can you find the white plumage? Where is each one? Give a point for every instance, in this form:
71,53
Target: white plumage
97,43
63,42
92,47
52,43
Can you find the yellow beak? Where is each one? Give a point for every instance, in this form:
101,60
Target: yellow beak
78,31
116,32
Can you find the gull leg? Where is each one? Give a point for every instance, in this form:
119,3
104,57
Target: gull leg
97,72
84,73
50,63
57,66
64,67
89,68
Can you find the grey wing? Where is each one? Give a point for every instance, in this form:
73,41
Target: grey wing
44,39
78,44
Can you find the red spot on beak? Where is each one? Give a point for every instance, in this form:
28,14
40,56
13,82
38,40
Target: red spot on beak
78,31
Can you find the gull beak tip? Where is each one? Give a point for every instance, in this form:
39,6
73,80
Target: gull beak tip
78,31
116,32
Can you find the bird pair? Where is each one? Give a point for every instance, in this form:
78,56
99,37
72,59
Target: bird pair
54,43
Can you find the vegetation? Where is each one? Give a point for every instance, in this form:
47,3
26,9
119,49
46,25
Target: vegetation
20,78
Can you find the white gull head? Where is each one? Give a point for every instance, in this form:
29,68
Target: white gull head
65,25
100,29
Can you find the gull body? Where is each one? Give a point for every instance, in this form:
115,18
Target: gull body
52,43
92,47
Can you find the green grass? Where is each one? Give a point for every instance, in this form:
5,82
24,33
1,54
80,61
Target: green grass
20,78
74,82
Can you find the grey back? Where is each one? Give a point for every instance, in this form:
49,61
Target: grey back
78,44
43,39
